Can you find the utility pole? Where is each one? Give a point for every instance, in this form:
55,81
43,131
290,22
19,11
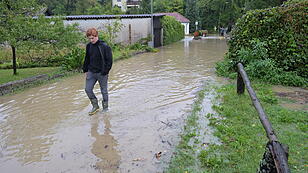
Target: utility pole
152,26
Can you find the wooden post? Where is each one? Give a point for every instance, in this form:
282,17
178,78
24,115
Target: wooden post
279,155
267,164
263,118
130,33
240,84
14,60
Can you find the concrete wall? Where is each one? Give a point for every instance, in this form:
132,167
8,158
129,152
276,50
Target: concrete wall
140,27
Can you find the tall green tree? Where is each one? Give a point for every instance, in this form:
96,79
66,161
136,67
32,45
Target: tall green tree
222,13
83,5
145,7
191,11
60,7
20,26
260,4
71,7
168,6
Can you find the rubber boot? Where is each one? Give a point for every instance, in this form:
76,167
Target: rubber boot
95,106
105,106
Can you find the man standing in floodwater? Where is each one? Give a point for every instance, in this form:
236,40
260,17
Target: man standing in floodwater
97,64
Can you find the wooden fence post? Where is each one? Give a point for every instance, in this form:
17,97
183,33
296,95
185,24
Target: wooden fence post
130,34
240,84
279,155
267,164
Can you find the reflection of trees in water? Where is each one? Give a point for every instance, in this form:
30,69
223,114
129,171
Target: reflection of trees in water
104,146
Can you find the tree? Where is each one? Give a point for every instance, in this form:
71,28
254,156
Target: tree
216,13
260,4
82,6
191,12
70,7
110,32
54,7
145,7
176,6
21,26
168,6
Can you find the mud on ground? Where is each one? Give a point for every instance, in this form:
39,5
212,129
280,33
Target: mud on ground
292,97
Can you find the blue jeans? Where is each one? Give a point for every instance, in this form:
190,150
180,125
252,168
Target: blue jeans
91,80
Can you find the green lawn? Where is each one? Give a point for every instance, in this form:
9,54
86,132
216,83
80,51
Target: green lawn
6,75
241,134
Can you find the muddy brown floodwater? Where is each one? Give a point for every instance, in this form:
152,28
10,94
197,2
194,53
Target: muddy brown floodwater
47,128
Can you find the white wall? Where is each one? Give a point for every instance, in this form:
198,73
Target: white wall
186,28
140,27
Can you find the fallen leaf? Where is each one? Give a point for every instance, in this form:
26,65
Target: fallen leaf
138,159
158,155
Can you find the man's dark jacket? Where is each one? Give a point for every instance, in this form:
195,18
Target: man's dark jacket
106,54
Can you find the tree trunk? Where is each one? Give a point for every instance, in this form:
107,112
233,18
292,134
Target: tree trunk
14,60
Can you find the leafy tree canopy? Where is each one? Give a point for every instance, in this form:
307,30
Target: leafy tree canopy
22,25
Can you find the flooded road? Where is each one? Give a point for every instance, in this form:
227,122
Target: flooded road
47,128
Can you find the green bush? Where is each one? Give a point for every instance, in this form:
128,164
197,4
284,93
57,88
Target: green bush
173,30
137,46
272,44
74,60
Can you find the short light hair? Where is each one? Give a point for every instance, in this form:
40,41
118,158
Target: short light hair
92,32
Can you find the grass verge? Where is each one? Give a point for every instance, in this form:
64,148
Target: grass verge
242,135
21,88
7,74
185,158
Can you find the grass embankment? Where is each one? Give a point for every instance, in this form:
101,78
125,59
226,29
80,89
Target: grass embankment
242,135
7,74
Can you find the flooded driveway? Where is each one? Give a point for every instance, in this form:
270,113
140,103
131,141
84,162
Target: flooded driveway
47,128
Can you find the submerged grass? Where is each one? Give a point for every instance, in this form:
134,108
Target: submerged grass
243,138
184,156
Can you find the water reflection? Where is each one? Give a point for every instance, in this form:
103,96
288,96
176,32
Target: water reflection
104,146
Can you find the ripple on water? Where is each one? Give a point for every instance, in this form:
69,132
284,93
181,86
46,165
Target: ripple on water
48,127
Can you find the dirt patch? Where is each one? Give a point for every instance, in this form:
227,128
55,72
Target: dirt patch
299,97
292,97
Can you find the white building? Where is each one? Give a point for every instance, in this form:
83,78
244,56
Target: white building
125,4
134,26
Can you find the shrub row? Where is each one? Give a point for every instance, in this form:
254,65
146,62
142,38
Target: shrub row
173,30
272,44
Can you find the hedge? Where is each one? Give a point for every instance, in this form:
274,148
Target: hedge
173,30
276,37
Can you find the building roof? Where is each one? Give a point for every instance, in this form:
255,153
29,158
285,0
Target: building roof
178,17
78,17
